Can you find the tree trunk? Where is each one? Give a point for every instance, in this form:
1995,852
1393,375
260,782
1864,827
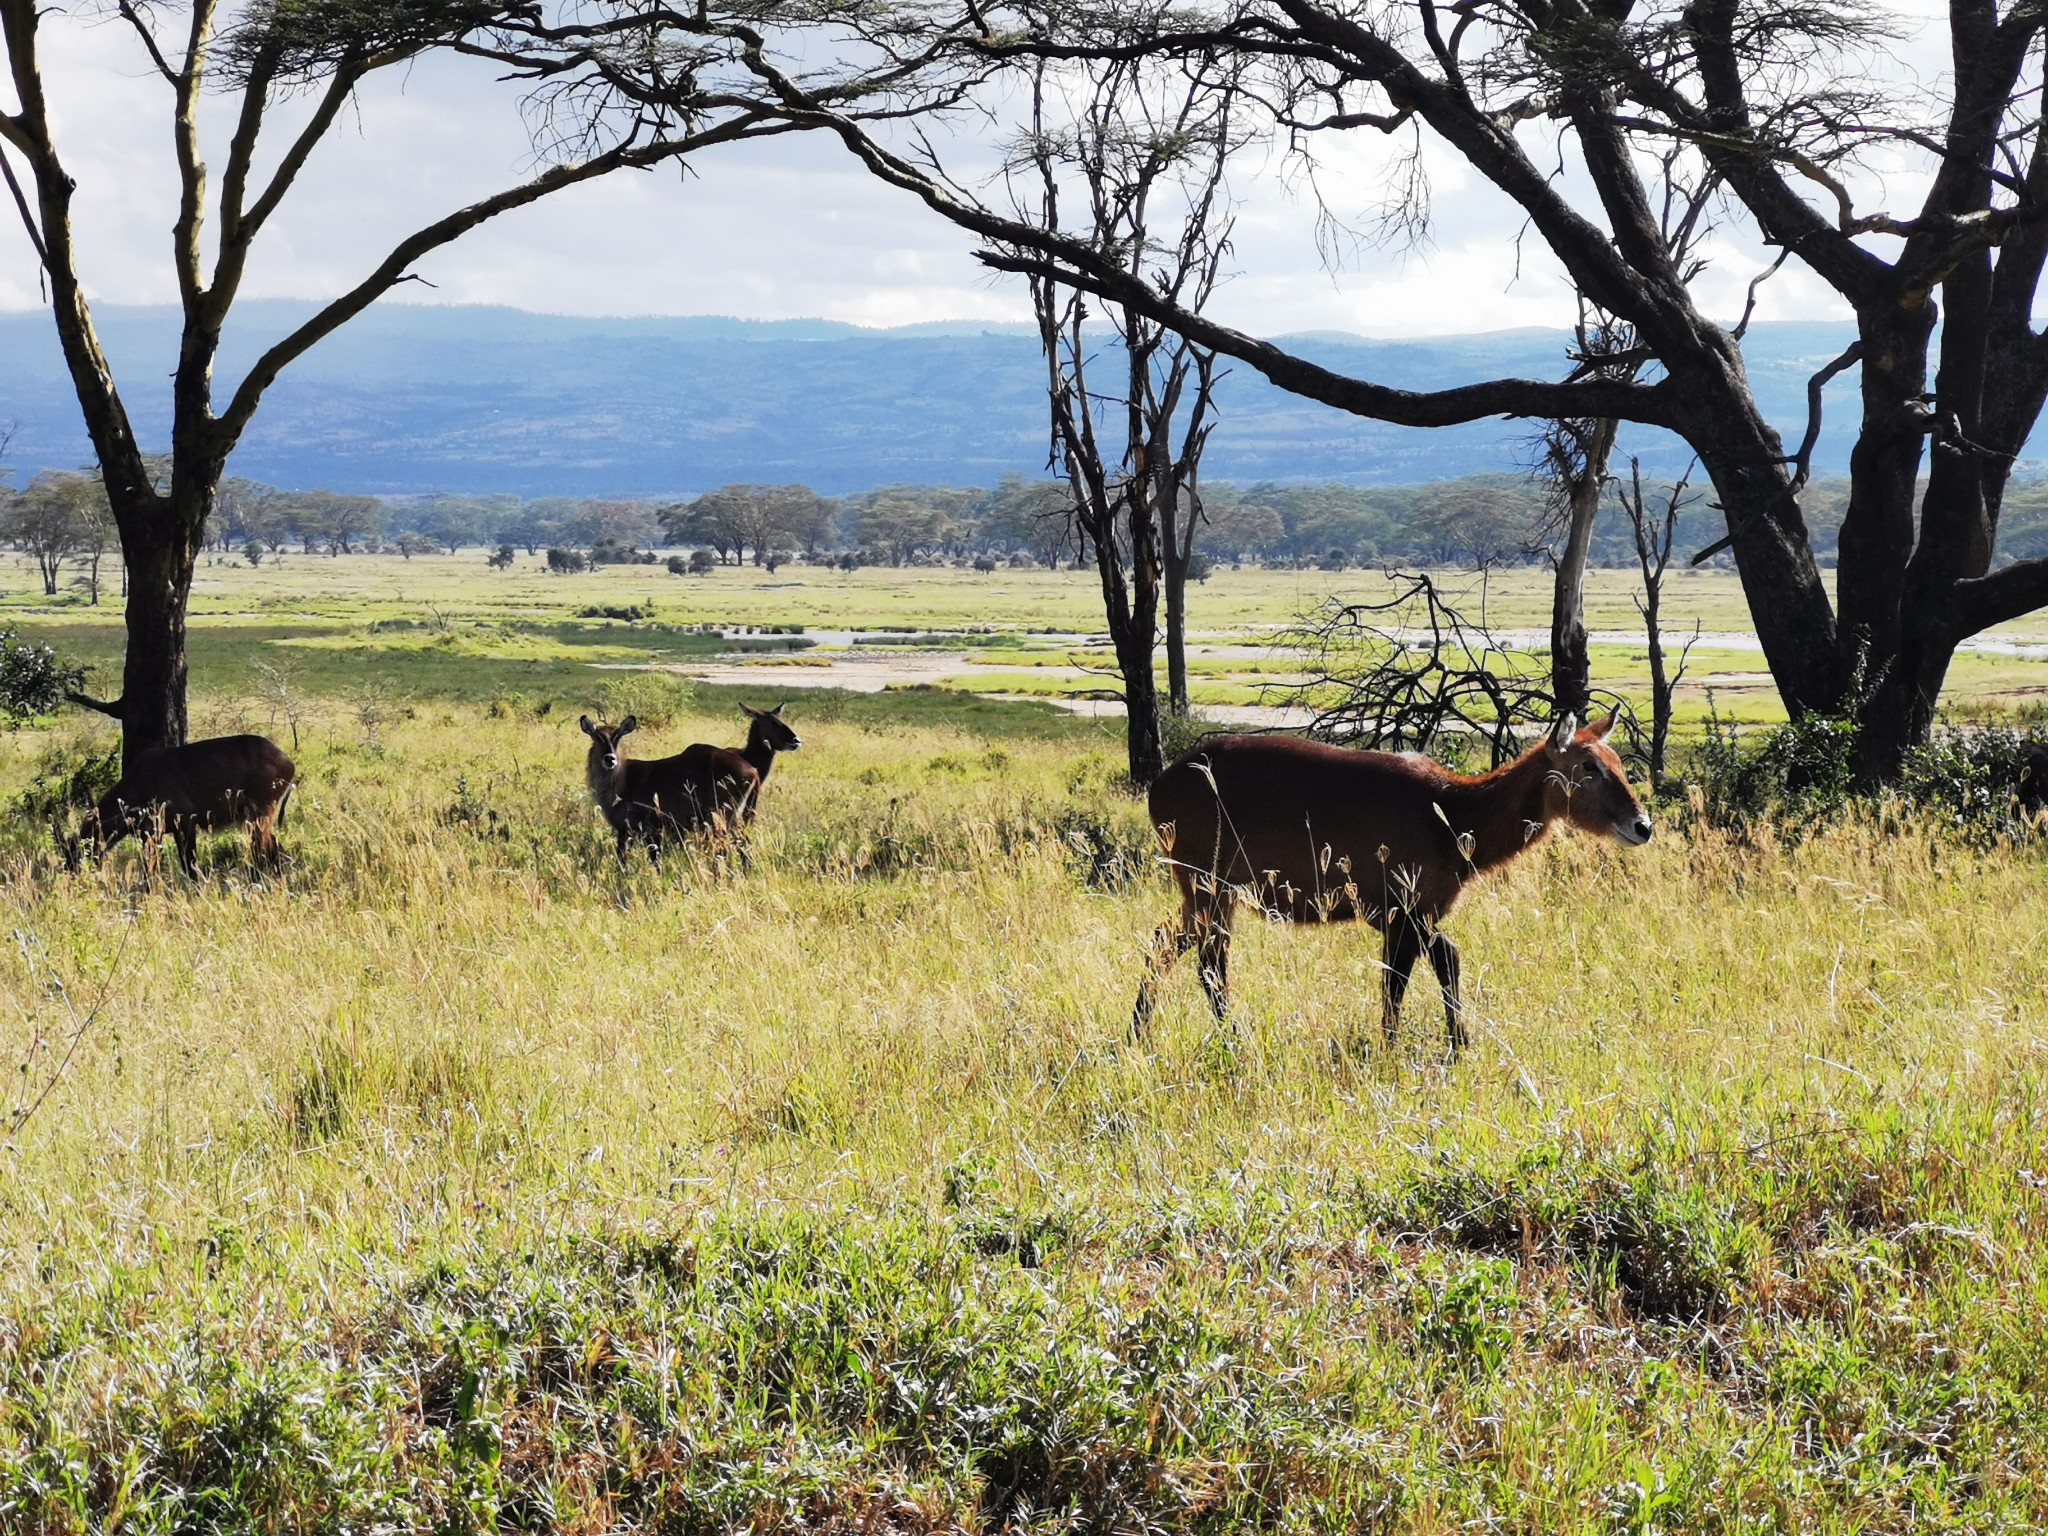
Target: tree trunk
1660,680
1788,602
1571,665
162,545
1176,596
1131,614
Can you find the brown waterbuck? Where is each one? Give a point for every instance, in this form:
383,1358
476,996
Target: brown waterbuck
1318,833
203,786
702,788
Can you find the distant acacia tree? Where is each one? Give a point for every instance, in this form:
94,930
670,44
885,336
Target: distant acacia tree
1036,516
613,523
903,522
60,515
737,518
1475,526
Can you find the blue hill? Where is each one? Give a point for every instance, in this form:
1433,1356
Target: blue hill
414,398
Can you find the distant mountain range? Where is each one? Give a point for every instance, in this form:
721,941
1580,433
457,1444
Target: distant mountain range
416,398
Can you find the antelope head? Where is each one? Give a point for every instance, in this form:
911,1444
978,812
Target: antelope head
1587,784
605,756
774,733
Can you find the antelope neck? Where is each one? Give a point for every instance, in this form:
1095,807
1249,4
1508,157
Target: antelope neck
1503,810
757,752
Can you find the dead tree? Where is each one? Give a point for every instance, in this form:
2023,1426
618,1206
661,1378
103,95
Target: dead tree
1143,160
1410,672
1655,530
1576,453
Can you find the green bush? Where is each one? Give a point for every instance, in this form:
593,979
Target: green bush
1967,777
32,679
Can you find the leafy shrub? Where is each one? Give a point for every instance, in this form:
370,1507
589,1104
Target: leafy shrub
566,562
501,558
1801,773
702,562
1968,778
470,812
618,552
1972,779
631,613
1105,854
68,780
657,698
32,679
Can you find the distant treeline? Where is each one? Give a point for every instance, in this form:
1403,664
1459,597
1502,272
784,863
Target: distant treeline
1479,519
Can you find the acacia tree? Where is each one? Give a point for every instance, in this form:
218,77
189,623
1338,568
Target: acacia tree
48,522
258,55
756,517
1771,98
1656,530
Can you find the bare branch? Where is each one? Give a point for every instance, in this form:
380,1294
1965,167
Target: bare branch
392,270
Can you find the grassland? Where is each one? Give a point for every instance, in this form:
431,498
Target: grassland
459,1180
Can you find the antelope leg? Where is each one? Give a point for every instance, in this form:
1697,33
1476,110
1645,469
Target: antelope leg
1402,949
1443,956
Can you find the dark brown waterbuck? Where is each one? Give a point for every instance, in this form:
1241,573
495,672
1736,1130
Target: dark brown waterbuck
702,788
1317,833
203,786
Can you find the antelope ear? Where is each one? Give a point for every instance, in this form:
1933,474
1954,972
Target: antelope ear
629,725
1564,732
1602,729
750,712
778,709
584,721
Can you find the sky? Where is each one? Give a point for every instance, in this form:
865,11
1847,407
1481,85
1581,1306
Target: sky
782,229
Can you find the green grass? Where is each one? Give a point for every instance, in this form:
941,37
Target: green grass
459,1180
445,627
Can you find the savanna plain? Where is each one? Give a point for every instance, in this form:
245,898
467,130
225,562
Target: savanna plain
458,1179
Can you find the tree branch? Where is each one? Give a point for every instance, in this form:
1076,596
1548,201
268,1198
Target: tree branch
1803,459
28,218
755,123
1982,602
156,56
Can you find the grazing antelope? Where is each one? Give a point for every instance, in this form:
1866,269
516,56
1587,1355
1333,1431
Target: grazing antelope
700,789
1319,833
203,786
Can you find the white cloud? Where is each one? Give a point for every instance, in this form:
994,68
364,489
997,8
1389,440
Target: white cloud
780,229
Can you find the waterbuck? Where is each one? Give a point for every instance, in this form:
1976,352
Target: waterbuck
203,786
702,788
1317,833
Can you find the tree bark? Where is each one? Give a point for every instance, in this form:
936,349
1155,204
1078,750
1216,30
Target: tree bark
1175,569
162,545
1133,618
1571,666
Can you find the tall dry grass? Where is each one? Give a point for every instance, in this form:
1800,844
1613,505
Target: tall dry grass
457,1032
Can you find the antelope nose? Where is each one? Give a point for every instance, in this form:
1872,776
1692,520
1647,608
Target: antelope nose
1643,829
